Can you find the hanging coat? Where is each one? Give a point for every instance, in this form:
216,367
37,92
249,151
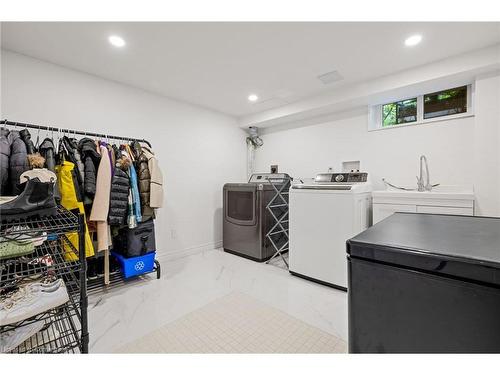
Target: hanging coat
144,180
26,137
100,206
4,161
136,199
71,198
118,205
91,159
18,161
47,150
74,156
156,185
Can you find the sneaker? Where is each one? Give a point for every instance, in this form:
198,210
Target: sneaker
32,299
23,233
13,338
12,249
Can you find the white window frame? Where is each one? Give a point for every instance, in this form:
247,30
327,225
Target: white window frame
375,111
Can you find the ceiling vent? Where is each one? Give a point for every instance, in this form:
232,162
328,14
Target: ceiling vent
330,77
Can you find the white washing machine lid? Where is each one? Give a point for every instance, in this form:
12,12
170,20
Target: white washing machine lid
333,187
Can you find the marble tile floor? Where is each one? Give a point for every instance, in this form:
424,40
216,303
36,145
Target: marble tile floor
236,323
128,313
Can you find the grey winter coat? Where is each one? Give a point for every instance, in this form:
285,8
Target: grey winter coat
4,161
18,161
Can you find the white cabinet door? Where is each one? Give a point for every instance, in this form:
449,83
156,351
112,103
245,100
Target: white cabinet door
445,210
383,210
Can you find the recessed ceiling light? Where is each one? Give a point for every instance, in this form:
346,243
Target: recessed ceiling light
116,41
253,97
413,40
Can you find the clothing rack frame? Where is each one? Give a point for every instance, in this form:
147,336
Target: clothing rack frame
70,131
100,283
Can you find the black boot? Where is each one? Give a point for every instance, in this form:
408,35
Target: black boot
36,199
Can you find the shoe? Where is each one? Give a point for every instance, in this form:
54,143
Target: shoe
43,174
13,338
26,269
32,299
13,249
36,199
24,234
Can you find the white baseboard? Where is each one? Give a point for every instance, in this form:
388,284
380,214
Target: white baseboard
165,256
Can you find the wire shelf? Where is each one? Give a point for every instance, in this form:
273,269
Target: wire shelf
64,221
64,328
50,258
116,279
61,333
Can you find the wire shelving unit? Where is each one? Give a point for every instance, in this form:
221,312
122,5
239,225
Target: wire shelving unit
65,328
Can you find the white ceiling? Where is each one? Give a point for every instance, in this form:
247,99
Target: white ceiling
216,65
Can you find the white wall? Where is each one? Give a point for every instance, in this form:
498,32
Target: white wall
460,152
487,145
199,150
392,154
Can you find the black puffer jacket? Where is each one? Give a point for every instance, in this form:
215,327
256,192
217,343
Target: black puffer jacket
90,158
26,137
47,150
71,146
4,161
118,203
18,161
143,180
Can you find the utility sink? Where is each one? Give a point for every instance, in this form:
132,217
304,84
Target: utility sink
438,192
449,200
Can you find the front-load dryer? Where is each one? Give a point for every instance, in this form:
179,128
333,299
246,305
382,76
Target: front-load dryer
246,221
323,215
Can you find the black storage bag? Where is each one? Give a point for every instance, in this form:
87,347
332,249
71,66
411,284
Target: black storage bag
137,241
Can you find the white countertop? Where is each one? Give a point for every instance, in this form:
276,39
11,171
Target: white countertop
439,192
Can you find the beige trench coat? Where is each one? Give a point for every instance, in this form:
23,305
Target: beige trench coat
100,206
156,186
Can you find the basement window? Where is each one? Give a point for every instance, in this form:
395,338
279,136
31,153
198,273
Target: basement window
429,107
445,103
400,112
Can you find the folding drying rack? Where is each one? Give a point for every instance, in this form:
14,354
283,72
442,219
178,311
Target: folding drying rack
278,208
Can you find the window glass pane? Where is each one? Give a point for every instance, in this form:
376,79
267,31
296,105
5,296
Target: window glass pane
240,205
445,103
399,112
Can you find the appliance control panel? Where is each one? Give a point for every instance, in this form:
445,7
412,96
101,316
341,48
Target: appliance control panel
264,177
349,177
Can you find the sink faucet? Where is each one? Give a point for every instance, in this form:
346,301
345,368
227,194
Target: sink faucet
420,180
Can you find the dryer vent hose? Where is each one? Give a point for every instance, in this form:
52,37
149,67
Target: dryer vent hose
253,142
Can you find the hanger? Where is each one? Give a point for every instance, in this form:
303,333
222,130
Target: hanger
37,138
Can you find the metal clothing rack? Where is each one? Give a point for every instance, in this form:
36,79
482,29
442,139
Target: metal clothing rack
70,131
99,284
278,208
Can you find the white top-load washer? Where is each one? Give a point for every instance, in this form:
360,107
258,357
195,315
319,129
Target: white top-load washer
324,214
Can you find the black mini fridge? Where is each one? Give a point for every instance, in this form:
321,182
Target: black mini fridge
422,283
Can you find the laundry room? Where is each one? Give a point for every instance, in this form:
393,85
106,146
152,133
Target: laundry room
259,187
